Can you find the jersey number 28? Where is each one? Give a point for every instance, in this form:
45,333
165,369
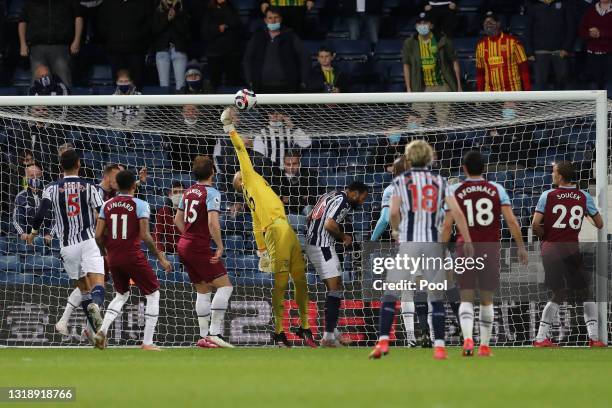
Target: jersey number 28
575,218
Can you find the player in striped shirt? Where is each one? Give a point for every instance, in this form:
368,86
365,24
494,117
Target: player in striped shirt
407,305
416,212
75,203
557,222
323,230
501,62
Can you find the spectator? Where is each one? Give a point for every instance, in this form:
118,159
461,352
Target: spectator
46,83
279,137
297,187
596,31
165,233
361,13
89,11
430,65
443,16
222,31
193,80
125,116
108,186
324,76
549,40
126,30
293,12
49,32
274,60
26,204
183,146
501,63
170,41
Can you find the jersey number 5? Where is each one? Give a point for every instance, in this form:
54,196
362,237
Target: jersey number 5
74,207
190,214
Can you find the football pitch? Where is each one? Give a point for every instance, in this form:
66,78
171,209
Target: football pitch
313,378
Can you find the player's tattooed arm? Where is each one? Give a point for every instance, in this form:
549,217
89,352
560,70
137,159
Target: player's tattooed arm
100,227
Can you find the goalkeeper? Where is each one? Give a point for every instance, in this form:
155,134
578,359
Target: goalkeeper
278,248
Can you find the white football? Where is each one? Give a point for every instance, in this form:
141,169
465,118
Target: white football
245,99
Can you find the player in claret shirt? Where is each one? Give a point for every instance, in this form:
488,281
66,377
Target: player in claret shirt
483,203
198,220
124,222
557,221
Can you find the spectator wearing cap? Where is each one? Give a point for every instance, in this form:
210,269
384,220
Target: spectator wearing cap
193,80
324,76
430,65
165,234
222,31
125,28
46,83
596,31
293,12
361,14
550,38
49,32
443,15
274,60
170,41
501,62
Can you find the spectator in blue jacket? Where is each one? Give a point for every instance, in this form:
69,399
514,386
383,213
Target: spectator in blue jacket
27,202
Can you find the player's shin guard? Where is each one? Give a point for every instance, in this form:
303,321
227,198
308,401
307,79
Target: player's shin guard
466,319
151,315
218,308
74,300
590,319
408,319
97,295
113,310
332,310
548,315
202,308
485,318
387,313
438,318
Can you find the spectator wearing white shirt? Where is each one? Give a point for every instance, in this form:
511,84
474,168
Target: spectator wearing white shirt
279,137
361,13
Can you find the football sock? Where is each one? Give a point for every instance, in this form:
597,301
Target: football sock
590,319
97,295
408,319
85,301
202,307
466,319
550,312
387,313
151,315
438,318
301,296
74,300
281,280
113,310
332,310
218,308
430,319
485,317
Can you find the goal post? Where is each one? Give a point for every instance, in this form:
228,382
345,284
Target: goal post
340,137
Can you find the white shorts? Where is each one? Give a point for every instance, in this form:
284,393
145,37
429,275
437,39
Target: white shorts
82,258
325,261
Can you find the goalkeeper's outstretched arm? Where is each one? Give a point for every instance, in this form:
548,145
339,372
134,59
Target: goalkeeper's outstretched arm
246,167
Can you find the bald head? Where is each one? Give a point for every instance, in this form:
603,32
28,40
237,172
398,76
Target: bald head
41,71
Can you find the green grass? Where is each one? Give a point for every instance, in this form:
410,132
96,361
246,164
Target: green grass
314,378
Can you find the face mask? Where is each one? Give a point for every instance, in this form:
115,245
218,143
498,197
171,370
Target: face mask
274,26
422,29
194,84
45,81
394,138
190,122
509,113
35,183
276,124
490,30
124,88
176,199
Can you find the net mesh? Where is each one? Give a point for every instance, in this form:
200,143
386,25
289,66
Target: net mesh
337,143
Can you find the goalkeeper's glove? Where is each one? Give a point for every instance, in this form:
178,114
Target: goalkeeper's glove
228,122
265,263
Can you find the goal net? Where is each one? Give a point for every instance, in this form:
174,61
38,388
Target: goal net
305,145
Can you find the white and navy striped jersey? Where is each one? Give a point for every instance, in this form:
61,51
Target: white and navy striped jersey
74,202
334,205
422,195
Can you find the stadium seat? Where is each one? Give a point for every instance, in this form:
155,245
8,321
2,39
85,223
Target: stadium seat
245,7
161,179
101,75
97,158
388,49
298,222
41,264
156,90
362,221
351,49
234,243
396,74
311,48
405,26
130,160
8,91
16,278
242,264
466,46
518,24
10,263
339,29
470,5
157,202
185,178
78,90
21,77
357,71
153,160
